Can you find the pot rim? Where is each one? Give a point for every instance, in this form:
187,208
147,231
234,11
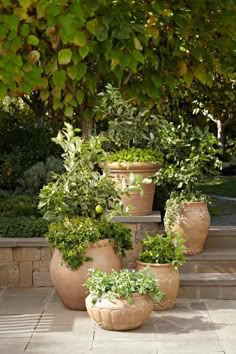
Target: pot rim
155,265
131,165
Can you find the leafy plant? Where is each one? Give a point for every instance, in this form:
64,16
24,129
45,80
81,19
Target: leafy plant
129,125
162,249
72,237
190,154
135,155
22,226
39,174
123,284
81,187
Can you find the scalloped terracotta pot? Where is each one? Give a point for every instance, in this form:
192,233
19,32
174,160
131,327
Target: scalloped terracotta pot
194,223
118,315
69,283
142,204
168,280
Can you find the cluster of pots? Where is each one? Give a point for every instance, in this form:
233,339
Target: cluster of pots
119,315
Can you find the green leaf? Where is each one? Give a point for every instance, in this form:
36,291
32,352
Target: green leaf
82,69
64,56
59,78
80,96
33,40
137,44
79,39
138,56
11,21
83,51
69,112
72,72
3,91
25,30
101,33
91,26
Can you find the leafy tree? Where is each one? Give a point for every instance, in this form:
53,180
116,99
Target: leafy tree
65,51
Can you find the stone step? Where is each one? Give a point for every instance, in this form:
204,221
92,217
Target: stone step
211,261
207,286
221,237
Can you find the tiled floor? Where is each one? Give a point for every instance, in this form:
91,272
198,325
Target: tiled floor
34,321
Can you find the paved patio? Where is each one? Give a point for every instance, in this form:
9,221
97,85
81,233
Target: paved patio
33,320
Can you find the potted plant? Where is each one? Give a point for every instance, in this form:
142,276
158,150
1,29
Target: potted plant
122,300
191,154
163,254
132,159
75,204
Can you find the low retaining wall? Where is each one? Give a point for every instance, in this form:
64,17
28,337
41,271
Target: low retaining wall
25,262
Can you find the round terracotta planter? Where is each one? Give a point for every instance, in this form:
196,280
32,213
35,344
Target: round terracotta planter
194,223
142,204
168,280
118,315
69,283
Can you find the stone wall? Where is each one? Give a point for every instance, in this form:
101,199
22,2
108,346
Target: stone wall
25,262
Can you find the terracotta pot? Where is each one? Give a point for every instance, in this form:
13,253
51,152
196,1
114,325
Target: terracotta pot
69,283
118,315
194,223
168,279
142,204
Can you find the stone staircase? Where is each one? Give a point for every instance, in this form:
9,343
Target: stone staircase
212,274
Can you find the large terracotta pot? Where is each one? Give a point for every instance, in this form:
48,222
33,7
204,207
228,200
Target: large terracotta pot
69,283
142,204
194,223
119,315
168,280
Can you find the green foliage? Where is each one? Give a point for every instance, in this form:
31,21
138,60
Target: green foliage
72,237
66,50
18,205
40,174
162,249
123,284
22,226
190,154
129,125
22,144
135,155
81,187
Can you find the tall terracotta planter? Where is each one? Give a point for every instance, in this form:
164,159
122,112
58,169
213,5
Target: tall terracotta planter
142,204
194,223
69,283
168,279
119,315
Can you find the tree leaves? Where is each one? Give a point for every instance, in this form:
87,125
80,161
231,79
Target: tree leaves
64,56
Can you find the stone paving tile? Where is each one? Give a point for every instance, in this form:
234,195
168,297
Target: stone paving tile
67,333
146,333
29,291
138,347
228,331
59,348
180,328
221,311
202,346
58,314
17,325
24,301
229,345
11,348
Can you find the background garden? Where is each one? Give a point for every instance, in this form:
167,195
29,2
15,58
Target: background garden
173,64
